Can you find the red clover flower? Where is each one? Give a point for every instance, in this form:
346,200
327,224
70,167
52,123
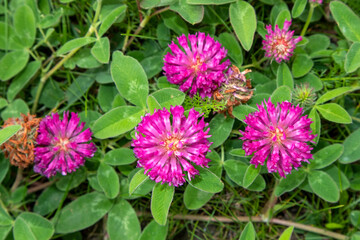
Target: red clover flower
199,68
165,148
278,134
280,43
61,145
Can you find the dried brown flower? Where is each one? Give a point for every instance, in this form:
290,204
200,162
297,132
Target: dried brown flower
20,147
235,91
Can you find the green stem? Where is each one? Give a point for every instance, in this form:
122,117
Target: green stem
306,25
67,57
255,63
18,179
56,216
266,212
341,78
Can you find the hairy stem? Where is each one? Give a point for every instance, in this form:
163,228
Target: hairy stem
18,179
40,187
306,25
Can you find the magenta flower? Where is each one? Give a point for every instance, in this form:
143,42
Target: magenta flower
61,145
278,134
280,43
166,148
199,68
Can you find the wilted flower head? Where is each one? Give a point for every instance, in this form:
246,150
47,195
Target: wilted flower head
20,147
316,1
166,148
197,67
304,95
278,134
62,145
235,90
280,43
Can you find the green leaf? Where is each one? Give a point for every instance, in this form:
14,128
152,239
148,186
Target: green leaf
120,156
5,219
161,199
209,2
347,20
4,231
243,20
48,200
312,80
195,198
108,180
153,104
130,79
74,43
326,156
316,124
220,128
281,94
338,176
291,182
154,231
206,181
237,152
24,23
335,93
248,233
352,60
101,50
351,148
228,41
286,235
137,180
191,14
110,18
117,121
122,222
8,132
153,64
235,170
22,79
301,65
3,103
281,17
250,175
14,109
74,179
355,218
175,23
298,8
78,88
241,111
323,186
12,63
31,226
83,212
106,95
258,185
167,97
4,164
317,43
284,77
275,11
334,113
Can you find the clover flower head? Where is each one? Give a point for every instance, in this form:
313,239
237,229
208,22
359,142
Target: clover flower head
62,146
280,44
316,1
279,134
197,64
166,146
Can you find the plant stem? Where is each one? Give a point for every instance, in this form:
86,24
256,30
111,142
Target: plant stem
18,179
266,212
40,187
142,25
223,219
255,64
306,25
43,79
341,78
